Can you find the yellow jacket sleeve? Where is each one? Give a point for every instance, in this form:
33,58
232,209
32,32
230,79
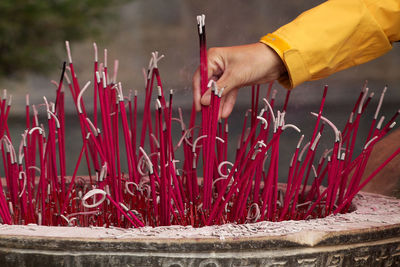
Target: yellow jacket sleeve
334,36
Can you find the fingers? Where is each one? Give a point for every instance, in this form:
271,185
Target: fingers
214,71
215,63
217,69
227,103
225,81
206,98
197,90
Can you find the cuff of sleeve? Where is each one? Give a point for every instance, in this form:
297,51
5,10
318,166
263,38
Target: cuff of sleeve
297,73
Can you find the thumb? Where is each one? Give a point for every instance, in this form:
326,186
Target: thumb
206,98
226,81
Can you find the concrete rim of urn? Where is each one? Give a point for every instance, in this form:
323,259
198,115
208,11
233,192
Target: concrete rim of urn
368,236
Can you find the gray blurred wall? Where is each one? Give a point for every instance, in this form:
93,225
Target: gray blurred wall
170,27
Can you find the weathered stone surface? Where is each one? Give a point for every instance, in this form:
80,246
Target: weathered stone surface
369,236
47,252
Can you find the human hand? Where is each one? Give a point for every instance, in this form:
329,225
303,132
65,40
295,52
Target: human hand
235,67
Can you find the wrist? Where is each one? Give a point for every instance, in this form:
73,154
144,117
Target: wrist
277,61
272,62
297,72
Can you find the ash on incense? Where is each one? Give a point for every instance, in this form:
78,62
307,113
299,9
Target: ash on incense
158,189
372,211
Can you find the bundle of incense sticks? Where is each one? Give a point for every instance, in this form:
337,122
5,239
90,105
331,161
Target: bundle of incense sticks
157,189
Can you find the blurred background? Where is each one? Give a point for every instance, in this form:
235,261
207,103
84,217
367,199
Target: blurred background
32,35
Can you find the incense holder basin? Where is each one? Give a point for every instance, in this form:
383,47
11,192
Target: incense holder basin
367,236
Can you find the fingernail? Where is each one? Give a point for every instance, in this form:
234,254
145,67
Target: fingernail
205,100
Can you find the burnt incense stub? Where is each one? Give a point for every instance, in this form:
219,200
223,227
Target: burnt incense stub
368,236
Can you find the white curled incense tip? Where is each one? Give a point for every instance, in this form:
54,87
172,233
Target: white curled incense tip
116,67
105,57
98,77
68,51
380,102
92,193
148,161
201,22
149,73
9,147
220,139
78,102
370,141
263,121
300,141
22,175
55,118
282,121
213,85
9,100
196,141
120,94
258,149
270,109
94,130
24,137
302,151
104,79
156,58
291,126
351,117
46,103
158,104
103,172
129,190
335,129
96,57
159,90
314,144
260,144
37,128
222,164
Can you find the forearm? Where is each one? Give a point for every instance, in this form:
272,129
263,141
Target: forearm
334,36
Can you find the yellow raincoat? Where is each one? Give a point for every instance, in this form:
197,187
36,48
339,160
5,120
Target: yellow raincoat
333,36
